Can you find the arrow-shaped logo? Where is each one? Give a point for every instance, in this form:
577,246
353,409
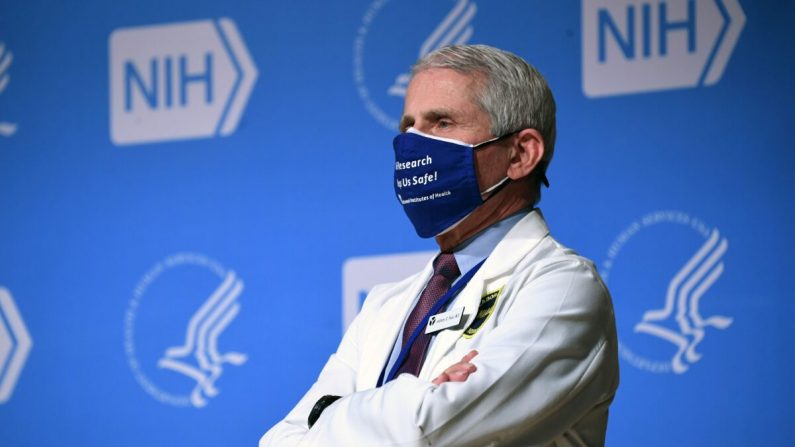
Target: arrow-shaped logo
6,57
733,23
15,344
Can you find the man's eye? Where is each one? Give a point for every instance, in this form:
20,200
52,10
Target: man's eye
444,124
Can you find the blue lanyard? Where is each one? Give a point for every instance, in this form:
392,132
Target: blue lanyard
443,301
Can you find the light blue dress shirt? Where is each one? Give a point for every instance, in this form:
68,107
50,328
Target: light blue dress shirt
467,256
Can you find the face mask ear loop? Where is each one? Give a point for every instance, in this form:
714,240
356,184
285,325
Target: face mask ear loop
493,140
499,185
496,188
542,166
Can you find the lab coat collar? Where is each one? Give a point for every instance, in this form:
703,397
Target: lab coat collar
471,252
519,241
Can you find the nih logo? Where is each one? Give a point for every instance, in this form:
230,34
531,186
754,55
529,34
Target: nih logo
633,46
178,81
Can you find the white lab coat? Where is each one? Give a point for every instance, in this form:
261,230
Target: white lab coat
547,367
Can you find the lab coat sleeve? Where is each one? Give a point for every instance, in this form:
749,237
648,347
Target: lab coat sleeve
547,363
337,378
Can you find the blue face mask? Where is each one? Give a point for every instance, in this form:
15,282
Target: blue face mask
435,180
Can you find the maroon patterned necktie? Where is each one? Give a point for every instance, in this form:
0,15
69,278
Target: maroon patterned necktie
445,271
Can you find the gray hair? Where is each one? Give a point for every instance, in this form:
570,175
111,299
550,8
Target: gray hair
515,95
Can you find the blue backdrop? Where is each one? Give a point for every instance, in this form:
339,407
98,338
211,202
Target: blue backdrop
195,196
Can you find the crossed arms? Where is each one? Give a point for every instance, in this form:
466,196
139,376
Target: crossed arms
548,365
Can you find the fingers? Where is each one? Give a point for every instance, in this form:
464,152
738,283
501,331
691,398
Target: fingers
467,358
458,372
443,377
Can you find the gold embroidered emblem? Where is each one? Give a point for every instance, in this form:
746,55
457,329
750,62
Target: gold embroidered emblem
487,304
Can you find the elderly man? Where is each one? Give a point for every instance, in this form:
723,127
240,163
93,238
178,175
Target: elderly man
506,338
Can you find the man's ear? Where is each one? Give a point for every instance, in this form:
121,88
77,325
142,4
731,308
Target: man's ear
526,152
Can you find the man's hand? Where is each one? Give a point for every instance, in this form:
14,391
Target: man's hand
458,372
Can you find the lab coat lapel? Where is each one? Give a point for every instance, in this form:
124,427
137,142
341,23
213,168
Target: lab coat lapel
519,241
386,327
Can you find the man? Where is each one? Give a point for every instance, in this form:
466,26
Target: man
506,338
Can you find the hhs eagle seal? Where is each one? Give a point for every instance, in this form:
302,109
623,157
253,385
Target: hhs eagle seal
382,84
173,286
680,321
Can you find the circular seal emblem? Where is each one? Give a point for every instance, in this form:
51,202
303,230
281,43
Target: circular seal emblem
661,269
178,310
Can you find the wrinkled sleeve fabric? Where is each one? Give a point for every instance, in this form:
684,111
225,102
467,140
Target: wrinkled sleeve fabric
546,364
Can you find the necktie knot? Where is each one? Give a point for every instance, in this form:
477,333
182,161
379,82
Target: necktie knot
445,265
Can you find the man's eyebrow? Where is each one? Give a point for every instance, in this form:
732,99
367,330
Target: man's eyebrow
432,115
437,114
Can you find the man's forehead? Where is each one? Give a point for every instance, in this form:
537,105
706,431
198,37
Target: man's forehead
450,79
441,93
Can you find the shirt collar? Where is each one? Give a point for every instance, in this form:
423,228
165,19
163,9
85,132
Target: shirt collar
479,247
